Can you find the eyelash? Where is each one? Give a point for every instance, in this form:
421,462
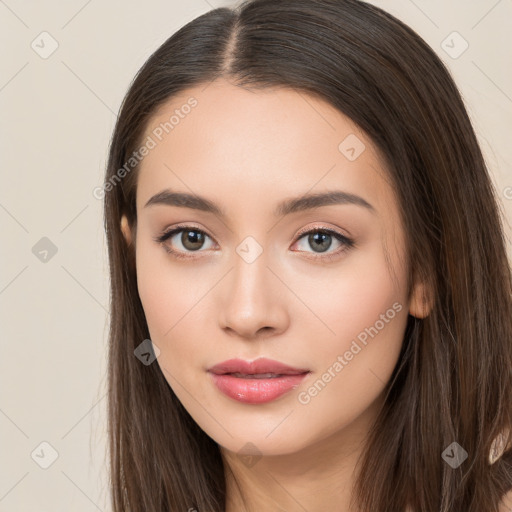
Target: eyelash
347,243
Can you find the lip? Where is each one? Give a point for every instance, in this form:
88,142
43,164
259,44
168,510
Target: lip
261,365
256,390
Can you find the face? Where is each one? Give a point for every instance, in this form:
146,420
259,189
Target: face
319,286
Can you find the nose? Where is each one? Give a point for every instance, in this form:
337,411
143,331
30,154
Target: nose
253,300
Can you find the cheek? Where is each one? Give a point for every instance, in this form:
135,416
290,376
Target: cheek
172,297
162,287
348,300
362,300
157,295
366,313
354,374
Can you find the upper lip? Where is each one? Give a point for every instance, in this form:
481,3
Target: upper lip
261,365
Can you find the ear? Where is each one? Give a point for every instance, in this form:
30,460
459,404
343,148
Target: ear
421,303
125,228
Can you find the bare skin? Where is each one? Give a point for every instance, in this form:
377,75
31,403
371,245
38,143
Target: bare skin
247,151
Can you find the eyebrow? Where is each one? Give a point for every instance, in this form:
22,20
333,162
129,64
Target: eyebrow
286,207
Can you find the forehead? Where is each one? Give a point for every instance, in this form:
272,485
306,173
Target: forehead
238,146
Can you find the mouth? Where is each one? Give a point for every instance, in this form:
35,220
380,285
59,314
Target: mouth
268,368
256,382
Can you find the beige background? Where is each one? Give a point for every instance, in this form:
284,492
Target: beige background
57,117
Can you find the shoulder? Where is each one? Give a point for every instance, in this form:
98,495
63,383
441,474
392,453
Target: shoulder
506,502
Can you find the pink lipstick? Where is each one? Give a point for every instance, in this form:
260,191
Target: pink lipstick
256,382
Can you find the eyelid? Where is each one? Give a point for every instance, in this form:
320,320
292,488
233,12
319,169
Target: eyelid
332,231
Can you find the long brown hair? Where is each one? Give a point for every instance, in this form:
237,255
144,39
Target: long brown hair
453,380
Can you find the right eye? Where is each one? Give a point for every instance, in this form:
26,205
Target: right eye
185,238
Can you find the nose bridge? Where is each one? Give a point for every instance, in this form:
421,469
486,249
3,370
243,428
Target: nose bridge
251,297
250,274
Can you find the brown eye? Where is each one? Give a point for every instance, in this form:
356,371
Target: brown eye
192,240
182,240
320,241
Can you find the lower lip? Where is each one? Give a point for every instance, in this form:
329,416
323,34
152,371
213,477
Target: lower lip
256,391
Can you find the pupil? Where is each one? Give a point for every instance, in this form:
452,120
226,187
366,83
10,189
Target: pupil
318,239
192,239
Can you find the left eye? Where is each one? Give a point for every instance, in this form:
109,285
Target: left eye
322,239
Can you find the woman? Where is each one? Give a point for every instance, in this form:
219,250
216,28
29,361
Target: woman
311,300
